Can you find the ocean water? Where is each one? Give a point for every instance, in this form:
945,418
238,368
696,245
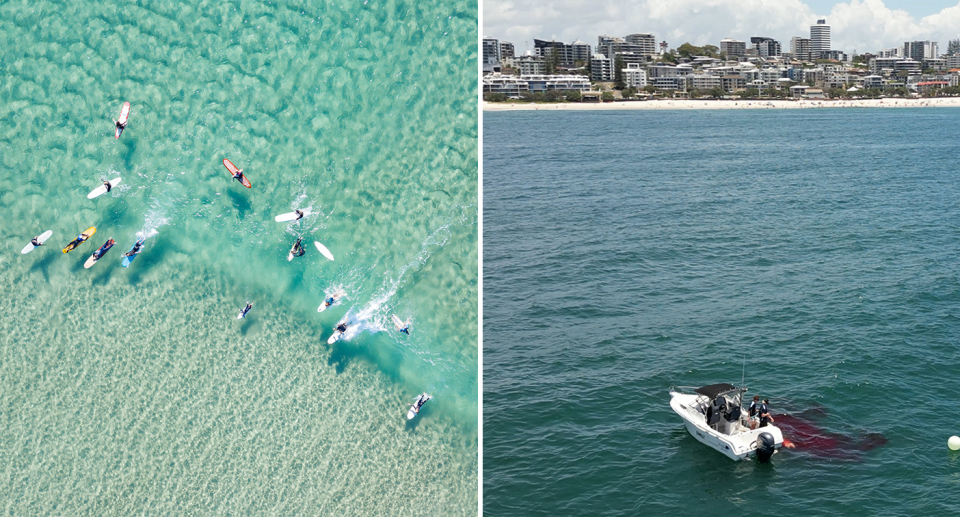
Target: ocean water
814,253
136,390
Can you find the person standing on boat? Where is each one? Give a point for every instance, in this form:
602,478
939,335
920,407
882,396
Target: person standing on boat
752,411
765,417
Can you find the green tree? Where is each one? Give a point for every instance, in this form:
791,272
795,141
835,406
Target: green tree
717,92
687,50
607,96
494,97
573,96
618,73
710,51
953,47
629,93
750,93
669,57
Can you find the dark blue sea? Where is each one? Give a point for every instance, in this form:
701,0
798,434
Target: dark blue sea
811,253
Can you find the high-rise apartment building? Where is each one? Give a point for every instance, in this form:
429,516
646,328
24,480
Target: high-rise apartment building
646,43
506,50
819,38
800,47
766,47
568,55
490,50
733,48
920,50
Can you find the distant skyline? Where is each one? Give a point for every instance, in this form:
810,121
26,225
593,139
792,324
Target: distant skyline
856,25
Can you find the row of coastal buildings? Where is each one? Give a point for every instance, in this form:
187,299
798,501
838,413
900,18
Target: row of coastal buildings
639,61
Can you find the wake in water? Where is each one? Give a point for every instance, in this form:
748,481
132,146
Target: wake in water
377,310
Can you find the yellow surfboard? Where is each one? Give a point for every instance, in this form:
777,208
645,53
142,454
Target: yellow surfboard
80,240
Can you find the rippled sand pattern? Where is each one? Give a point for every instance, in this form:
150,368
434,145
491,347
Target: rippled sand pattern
116,416
129,390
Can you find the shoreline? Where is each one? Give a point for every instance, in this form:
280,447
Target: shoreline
687,104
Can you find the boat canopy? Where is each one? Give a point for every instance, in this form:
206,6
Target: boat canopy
714,390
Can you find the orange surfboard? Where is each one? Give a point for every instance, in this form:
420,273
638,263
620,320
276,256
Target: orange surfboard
233,172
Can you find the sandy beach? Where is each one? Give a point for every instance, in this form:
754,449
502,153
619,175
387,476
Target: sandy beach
683,104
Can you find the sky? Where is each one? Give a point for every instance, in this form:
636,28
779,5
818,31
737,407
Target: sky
855,25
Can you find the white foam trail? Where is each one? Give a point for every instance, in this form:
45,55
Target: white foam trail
154,219
378,309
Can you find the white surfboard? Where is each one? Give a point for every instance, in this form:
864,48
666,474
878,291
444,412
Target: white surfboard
42,238
335,337
102,189
398,322
412,413
323,249
292,216
243,314
323,306
90,262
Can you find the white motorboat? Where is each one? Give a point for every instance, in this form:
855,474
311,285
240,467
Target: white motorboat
715,417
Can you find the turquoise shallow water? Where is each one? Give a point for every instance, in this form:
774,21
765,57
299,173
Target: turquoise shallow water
626,252
127,389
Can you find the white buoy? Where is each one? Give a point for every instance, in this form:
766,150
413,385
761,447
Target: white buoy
954,443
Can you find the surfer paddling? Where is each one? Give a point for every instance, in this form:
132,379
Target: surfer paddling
136,249
300,214
36,241
106,184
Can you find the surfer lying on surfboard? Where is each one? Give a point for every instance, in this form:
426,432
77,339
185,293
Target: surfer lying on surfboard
35,241
136,249
106,184
298,250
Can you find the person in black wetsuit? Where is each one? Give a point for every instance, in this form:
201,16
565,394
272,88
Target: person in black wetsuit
406,330
106,184
752,411
136,249
342,327
300,214
764,411
35,241
298,250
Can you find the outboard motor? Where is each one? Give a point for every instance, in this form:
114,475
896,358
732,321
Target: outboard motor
765,447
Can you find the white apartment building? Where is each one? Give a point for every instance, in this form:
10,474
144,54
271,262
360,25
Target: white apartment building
634,76
513,86
601,68
703,81
543,83
873,81
509,85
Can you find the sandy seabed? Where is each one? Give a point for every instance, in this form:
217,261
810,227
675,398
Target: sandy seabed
682,104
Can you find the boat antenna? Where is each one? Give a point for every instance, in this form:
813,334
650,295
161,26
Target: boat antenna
743,374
